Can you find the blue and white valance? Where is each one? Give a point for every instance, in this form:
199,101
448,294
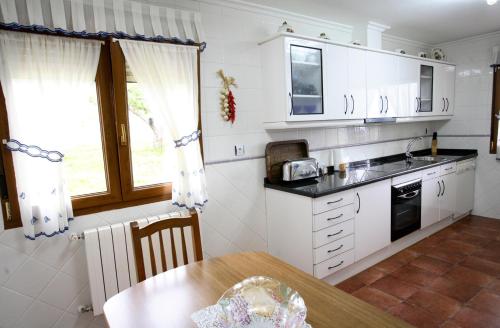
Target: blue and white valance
116,18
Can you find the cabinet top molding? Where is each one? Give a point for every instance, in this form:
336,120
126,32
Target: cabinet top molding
316,39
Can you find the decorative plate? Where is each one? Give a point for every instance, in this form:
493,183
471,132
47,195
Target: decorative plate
263,302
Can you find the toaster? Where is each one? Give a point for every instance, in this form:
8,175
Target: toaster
298,169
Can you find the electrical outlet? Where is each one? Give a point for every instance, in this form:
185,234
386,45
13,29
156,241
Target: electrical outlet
239,150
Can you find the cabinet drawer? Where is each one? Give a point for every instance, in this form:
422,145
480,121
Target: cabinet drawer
333,217
333,233
333,249
448,168
407,178
431,173
334,264
333,201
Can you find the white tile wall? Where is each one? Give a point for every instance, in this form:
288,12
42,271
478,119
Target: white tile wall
43,282
473,97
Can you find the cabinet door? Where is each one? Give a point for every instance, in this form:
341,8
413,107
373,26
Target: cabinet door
425,100
357,83
447,200
338,77
305,77
449,88
444,89
465,190
381,81
431,191
373,218
408,87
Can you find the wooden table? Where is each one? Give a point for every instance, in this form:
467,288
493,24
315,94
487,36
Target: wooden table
169,299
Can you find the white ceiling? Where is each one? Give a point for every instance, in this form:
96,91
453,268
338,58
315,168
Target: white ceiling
431,21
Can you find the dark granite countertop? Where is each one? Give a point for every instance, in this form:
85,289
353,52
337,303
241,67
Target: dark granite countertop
369,171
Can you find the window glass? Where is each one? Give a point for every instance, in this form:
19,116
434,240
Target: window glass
82,145
148,146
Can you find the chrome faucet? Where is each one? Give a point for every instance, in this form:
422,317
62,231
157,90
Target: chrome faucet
409,155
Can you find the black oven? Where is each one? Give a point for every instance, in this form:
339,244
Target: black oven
406,203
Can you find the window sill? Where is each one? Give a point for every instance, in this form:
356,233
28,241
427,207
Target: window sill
121,204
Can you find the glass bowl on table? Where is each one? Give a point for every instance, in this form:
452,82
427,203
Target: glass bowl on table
263,302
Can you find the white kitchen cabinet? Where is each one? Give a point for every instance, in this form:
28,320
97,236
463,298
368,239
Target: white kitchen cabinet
294,83
309,82
382,79
408,87
444,89
465,187
438,194
447,200
346,83
373,218
431,190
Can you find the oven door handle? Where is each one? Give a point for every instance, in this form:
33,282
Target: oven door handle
410,195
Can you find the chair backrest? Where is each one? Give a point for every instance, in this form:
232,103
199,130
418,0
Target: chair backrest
160,231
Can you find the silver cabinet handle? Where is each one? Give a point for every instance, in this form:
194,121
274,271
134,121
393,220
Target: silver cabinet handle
439,192
418,105
444,105
359,203
336,249
382,105
335,201
291,103
337,265
335,234
352,99
345,105
335,218
447,104
444,187
386,104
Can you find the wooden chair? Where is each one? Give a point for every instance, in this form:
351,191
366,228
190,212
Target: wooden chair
158,227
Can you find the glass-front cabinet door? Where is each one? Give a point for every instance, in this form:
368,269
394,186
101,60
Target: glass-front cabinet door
305,70
424,101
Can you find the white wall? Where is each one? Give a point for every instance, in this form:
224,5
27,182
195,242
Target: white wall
470,126
42,282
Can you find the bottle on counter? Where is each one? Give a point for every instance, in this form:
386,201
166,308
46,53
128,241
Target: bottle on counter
434,145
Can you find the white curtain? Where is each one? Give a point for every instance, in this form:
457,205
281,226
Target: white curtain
42,78
168,76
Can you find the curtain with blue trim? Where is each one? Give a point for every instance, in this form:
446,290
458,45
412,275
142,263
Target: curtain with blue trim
168,76
42,78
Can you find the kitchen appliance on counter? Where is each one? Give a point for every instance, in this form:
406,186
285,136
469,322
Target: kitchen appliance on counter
299,169
289,160
406,208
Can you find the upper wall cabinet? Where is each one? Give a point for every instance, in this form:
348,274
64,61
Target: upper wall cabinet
294,80
346,83
382,80
444,89
310,82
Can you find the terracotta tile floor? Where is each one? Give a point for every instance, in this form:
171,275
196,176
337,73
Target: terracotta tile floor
450,279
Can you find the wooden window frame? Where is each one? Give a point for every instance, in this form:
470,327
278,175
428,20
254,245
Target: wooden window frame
113,112
495,109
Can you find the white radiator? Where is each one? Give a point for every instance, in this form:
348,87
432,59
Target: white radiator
111,262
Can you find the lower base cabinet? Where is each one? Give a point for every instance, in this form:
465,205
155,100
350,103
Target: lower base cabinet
324,235
372,218
431,190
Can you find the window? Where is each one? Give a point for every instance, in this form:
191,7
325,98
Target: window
115,155
495,112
